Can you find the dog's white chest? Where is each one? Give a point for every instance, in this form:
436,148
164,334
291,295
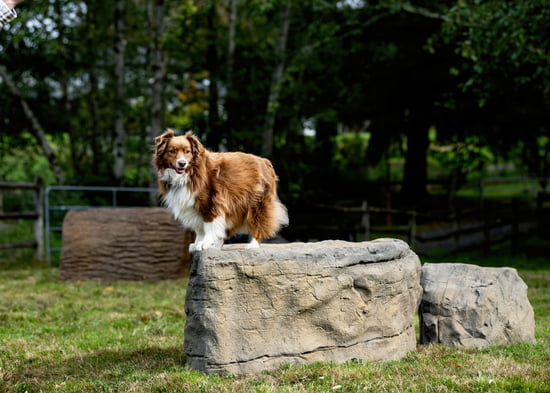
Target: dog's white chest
181,203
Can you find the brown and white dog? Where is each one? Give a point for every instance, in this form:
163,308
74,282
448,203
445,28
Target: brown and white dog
217,194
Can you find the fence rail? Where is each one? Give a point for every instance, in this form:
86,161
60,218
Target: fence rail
36,216
488,226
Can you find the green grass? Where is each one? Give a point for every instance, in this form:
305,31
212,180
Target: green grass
60,336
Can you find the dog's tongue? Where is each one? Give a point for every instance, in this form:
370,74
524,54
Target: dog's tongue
180,170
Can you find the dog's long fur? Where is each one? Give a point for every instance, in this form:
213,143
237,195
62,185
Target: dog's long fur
217,194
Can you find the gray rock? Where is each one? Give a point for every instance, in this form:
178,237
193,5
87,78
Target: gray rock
251,310
471,306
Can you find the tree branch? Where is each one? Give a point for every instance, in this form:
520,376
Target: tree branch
412,9
39,132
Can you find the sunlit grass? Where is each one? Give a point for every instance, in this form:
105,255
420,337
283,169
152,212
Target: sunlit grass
60,336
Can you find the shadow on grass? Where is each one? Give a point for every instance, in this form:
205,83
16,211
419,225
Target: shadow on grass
103,367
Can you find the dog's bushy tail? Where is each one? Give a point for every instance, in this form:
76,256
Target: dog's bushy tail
270,215
281,214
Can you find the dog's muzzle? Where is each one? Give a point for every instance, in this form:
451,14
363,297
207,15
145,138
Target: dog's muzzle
180,166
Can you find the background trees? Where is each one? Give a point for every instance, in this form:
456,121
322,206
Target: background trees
101,79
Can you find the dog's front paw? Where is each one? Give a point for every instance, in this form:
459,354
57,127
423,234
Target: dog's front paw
253,244
206,244
197,246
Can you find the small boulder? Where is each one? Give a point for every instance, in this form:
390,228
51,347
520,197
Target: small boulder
471,306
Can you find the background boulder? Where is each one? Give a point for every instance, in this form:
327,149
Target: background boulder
471,306
124,244
251,310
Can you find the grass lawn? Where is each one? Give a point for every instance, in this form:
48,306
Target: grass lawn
128,337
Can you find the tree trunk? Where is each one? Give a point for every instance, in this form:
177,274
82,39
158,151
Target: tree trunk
91,135
158,57
416,162
119,148
1,198
231,41
213,69
63,79
61,39
37,129
159,70
229,103
276,82
94,118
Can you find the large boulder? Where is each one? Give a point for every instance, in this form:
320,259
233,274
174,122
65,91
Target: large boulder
471,306
123,244
251,310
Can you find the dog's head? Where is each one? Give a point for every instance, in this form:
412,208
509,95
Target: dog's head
177,152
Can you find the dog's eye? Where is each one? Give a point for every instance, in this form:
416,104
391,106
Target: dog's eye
188,151
172,151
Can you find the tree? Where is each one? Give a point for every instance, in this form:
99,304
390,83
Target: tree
276,81
157,22
502,74
248,75
38,130
119,148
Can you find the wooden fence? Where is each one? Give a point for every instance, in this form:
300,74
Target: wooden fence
488,225
459,230
36,216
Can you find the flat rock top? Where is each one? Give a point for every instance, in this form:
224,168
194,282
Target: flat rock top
301,258
457,274
379,250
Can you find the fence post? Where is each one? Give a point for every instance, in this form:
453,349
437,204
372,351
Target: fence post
481,192
38,228
515,226
47,224
456,227
388,206
412,230
486,231
365,220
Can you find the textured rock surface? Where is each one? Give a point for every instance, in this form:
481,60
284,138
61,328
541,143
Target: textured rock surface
123,244
251,310
471,306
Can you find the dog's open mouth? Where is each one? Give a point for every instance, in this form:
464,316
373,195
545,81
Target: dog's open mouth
180,170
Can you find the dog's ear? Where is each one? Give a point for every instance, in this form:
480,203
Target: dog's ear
196,146
161,142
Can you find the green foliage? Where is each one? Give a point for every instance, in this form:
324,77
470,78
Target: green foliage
22,160
465,158
476,69
350,156
535,156
503,42
14,231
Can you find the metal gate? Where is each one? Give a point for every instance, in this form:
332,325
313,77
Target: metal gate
53,225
